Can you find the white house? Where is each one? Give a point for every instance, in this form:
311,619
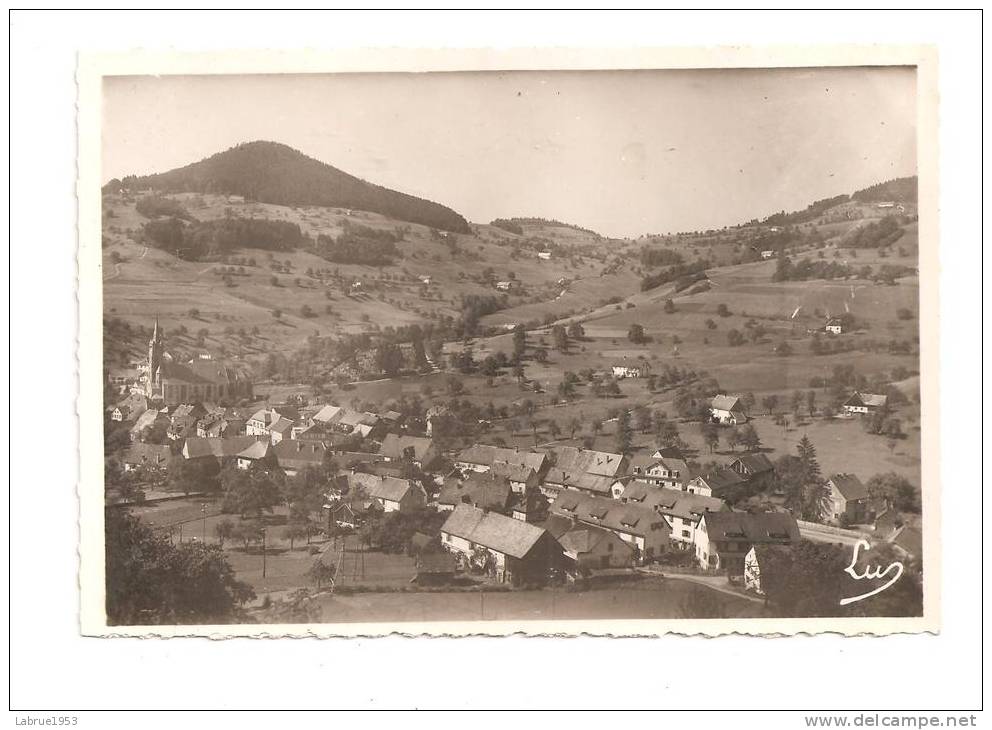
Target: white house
767,254
544,255
636,524
723,539
865,403
627,371
834,326
728,410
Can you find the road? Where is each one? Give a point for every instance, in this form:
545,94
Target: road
814,534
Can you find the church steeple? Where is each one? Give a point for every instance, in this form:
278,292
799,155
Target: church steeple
155,350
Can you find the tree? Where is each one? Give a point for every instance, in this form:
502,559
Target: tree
797,402
636,334
554,429
644,419
295,531
749,437
519,342
783,349
811,402
770,402
151,581
669,307
733,438
896,490
722,310
735,338
807,459
224,531
711,435
193,475
560,337
321,572
576,331
194,313
624,434
250,492
574,424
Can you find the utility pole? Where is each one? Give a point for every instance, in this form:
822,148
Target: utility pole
263,552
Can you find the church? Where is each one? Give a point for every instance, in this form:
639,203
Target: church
200,379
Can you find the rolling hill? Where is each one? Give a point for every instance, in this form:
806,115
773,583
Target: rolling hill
269,172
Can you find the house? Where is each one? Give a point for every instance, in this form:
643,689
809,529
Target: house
544,255
666,471
293,456
506,286
485,491
587,547
755,468
636,524
627,371
848,499
481,457
396,495
280,430
681,509
506,549
435,569
834,326
522,478
531,506
727,410
151,418
865,403
146,456
723,539
753,561
576,460
129,408
221,449
279,418
419,451
767,254
256,453
434,416
722,483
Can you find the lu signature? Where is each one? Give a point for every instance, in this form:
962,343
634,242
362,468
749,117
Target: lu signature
870,573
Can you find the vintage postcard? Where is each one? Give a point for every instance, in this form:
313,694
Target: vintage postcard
548,342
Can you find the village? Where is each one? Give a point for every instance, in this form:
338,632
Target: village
320,499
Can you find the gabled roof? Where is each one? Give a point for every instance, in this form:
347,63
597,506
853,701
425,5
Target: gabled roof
257,450
327,414
513,472
151,454
583,539
486,455
910,540
720,479
872,400
295,454
726,403
281,425
672,502
574,460
557,525
631,518
849,486
391,488
394,446
497,532
584,482
765,527
752,464
480,490
220,448
148,418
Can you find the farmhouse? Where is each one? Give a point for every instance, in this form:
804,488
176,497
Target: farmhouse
727,410
636,524
522,478
767,254
256,453
834,326
220,449
576,460
665,471
848,499
396,495
507,286
544,255
594,484
865,403
723,539
294,456
508,550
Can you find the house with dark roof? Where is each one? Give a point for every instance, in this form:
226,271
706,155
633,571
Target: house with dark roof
756,468
481,457
529,506
848,499
522,478
294,456
221,449
146,456
587,547
482,490
506,549
681,509
435,569
727,410
636,524
396,495
723,539
909,541
862,403
415,449
723,483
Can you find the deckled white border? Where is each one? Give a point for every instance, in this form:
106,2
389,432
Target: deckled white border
93,67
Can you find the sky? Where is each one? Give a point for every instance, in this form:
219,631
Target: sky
624,153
